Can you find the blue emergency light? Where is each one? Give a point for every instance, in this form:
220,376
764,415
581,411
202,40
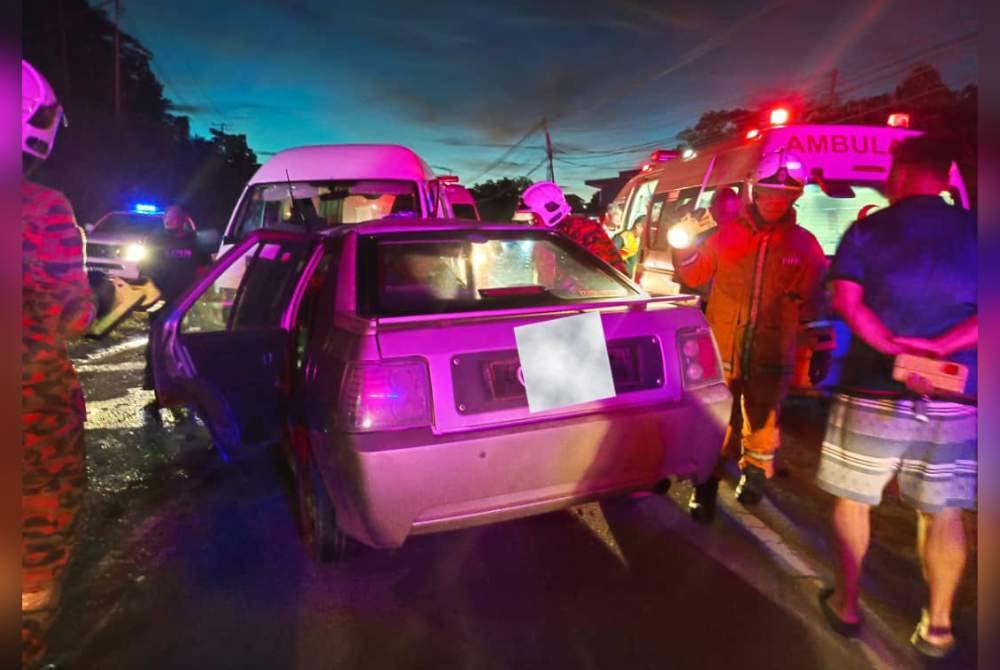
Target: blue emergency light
143,208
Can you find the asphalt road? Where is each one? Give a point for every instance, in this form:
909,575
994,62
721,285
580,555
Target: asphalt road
189,562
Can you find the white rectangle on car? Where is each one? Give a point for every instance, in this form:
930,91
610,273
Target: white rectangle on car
564,362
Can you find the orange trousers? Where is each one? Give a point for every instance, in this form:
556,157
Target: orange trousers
753,436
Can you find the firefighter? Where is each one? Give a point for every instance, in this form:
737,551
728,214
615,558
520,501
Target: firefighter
766,275
546,200
57,305
173,267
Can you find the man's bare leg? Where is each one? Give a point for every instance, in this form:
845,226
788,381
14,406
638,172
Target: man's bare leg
852,528
943,552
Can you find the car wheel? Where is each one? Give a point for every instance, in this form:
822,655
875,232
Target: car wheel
323,540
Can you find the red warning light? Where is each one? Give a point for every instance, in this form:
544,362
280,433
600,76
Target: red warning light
899,120
751,134
646,167
780,116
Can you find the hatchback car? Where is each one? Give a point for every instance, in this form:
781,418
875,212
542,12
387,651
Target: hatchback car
383,357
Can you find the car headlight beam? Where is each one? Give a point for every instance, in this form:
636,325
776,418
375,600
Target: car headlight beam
135,253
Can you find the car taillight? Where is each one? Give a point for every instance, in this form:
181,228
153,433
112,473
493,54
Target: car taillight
386,395
699,358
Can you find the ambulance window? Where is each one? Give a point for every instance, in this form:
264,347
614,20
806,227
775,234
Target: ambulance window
672,206
640,202
829,218
656,239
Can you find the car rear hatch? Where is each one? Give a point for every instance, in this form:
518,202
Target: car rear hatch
475,370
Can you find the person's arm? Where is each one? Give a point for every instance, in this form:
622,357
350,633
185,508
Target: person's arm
62,266
963,336
696,266
848,302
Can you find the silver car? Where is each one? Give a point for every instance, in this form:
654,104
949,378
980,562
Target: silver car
383,357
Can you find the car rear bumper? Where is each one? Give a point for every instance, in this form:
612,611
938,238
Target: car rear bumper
390,485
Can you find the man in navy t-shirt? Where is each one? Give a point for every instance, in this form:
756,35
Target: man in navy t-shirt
904,280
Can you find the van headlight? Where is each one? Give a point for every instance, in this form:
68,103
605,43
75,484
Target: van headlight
135,253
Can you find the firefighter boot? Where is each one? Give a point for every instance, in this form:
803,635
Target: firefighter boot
750,488
701,506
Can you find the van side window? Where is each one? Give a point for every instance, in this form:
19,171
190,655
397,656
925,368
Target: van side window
639,203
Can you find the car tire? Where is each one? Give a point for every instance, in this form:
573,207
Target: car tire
323,540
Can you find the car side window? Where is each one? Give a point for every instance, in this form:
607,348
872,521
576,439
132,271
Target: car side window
267,286
319,295
266,275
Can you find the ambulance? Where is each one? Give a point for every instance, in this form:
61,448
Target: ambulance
844,169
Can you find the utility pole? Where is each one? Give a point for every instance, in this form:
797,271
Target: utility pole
118,64
548,151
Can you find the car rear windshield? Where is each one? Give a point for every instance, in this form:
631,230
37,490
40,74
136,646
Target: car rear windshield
430,273
131,224
322,204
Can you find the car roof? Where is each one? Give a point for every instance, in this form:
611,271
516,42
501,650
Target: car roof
459,195
344,161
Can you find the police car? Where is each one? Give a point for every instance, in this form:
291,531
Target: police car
116,243
117,248
844,169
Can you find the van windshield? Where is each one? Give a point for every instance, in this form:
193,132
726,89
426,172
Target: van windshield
321,204
828,218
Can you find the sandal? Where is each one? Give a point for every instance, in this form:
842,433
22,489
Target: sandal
845,628
925,646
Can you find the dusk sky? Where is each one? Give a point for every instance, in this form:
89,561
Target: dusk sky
460,82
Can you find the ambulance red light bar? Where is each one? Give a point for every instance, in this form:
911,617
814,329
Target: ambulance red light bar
753,134
779,116
449,179
646,167
663,155
899,120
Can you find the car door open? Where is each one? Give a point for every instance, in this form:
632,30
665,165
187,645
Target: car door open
225,350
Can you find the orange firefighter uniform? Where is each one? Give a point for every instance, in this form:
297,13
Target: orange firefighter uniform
767,284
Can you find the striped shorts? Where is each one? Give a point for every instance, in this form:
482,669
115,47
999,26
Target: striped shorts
868,441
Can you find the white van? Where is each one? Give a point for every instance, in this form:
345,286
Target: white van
458,202
846,169
326,185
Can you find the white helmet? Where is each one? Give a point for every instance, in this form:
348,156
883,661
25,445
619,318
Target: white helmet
781,171
41,113
546,199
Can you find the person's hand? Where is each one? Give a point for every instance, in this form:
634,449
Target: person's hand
919,384
819,366
920,346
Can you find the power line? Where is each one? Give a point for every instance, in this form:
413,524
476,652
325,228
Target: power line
492,166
